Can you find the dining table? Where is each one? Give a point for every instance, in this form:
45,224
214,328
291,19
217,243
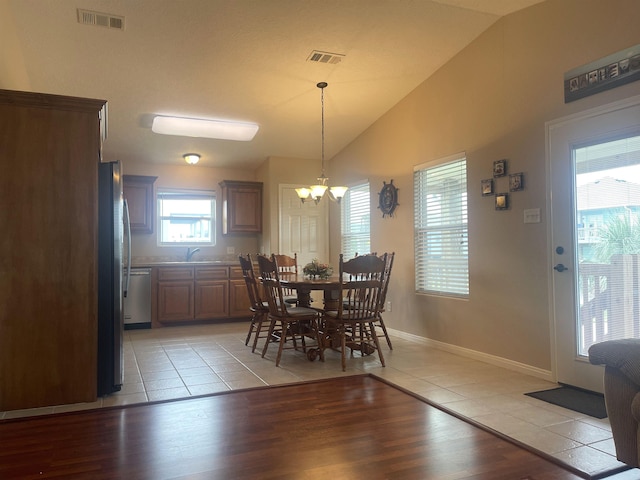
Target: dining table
304,285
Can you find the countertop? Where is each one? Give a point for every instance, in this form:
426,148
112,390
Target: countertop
181,263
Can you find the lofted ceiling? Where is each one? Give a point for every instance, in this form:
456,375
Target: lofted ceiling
244,60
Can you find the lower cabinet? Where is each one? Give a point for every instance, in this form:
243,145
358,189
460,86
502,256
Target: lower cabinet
185,294
238,295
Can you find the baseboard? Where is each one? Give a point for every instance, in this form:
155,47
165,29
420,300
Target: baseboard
475,355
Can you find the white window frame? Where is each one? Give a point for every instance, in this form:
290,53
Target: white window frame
186,194
356,240
441,238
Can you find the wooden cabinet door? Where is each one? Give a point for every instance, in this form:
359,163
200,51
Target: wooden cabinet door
138,192
175,301
241,207
238,299
211,299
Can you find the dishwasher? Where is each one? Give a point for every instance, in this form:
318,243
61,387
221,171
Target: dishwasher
137,303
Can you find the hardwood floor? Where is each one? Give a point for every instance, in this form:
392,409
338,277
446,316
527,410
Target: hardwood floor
343,428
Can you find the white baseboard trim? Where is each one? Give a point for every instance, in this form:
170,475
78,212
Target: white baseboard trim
475,355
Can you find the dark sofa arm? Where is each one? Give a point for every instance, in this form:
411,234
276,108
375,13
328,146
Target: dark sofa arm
621,354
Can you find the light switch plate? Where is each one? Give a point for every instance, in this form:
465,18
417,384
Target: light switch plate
532,215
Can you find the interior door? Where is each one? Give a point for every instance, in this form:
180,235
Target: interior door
594,179
303,227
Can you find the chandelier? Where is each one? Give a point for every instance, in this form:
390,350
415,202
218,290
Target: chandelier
316,192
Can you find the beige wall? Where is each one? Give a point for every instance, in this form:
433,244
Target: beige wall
491,101
13,74
197,178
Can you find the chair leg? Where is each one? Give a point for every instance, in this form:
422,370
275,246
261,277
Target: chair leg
272,325
343,347
384,330
377,343
258,330
251,326
285,327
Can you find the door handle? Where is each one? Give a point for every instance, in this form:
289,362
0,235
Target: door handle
560,268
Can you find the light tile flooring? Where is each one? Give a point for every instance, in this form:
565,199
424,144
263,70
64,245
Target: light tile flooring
178,362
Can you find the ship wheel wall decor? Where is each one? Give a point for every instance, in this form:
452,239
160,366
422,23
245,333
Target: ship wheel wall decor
388,199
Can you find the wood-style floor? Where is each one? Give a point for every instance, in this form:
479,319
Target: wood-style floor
344,428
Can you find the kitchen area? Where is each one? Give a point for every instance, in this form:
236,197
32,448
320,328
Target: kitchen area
191,282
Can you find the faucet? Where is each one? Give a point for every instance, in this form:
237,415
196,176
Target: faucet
190,253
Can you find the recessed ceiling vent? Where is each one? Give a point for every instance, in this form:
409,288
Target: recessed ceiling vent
325,57
87,17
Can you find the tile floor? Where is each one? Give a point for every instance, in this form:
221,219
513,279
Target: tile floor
179,362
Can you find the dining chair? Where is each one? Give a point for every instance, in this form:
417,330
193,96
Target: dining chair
288,268
353,323
295,323
258,307
379,323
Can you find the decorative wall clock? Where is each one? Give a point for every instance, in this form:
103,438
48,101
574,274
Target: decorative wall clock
388,199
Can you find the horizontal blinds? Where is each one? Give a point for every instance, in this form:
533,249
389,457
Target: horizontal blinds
440,228
356,220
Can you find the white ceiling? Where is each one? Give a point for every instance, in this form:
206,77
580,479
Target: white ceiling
245,60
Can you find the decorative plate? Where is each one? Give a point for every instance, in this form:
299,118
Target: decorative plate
388,199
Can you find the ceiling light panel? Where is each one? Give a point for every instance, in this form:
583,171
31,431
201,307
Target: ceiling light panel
194,127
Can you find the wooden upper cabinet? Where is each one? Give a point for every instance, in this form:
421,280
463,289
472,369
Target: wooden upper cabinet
241,207
138,192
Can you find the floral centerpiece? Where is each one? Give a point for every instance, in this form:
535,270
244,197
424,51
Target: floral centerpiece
316,269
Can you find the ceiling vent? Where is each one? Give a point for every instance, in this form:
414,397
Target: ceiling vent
87,17
325,57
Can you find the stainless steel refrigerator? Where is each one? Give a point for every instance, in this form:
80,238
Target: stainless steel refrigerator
112,284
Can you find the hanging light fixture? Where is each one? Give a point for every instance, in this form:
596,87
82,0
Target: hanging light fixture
316,192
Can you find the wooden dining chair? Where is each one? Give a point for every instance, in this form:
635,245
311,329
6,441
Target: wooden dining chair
353,323
288,268
258,307
295,323
379,324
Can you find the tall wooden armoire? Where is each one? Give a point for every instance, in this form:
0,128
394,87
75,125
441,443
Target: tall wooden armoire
50,148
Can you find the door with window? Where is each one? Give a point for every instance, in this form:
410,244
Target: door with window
594,168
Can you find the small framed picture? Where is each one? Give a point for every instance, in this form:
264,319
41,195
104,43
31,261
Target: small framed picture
516,182
487,187
500,168
502,201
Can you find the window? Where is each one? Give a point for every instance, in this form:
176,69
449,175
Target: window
186,217
440,227
356,220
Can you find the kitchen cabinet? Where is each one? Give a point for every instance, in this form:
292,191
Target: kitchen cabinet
241,207
175,294
138,192
185,294
238,295
50,148
212,298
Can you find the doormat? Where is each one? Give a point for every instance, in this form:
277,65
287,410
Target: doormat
583,401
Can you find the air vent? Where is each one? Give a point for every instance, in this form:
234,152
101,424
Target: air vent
325,57
87,17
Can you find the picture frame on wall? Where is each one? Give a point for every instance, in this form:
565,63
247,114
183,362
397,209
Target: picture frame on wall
486,187
502,201
500,168
516,182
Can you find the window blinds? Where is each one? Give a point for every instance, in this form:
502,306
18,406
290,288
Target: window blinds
440,227
356,220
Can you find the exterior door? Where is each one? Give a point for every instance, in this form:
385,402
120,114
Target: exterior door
303,227
594,168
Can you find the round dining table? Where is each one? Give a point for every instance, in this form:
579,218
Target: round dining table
304,284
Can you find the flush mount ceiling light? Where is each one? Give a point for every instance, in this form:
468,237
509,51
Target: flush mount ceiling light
191,158
195,127
316,192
